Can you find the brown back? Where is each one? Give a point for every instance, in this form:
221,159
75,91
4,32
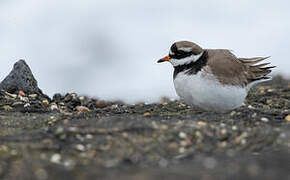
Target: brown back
229,69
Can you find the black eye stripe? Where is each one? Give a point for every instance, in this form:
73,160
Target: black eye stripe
180,54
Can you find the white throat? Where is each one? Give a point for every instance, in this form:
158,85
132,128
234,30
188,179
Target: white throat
186,60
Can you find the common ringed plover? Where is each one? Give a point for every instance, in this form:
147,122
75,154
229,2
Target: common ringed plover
214,79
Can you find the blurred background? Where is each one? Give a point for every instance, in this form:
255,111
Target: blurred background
109,48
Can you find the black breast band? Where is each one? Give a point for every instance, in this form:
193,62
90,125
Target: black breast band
193,67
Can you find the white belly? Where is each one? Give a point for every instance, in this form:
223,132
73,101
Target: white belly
207,93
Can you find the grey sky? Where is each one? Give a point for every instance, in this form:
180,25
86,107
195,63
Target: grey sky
109,48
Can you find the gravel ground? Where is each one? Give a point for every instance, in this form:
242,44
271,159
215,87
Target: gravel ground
78,137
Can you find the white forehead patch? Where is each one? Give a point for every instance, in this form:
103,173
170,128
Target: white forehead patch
185,49
186,60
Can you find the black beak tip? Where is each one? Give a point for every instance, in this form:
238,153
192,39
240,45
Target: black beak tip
160,61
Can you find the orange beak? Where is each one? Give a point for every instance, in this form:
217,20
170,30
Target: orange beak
166,58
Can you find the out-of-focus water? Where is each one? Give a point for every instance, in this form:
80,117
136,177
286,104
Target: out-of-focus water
109,48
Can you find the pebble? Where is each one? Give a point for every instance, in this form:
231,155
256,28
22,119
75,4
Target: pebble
223,131
114,106
17,103
182,135
89,136
73,129
24,99
7,107
234,128
223,144
53,107
45,102
223,125
80,137
201,123
264,119
57,97
125,135
181,150
251,107
243,141
55,158
11,95
147,114
155,125
13,152
59,130
4,148
185,142
233,113
287,118
80,147
74,95
82,109
164,127
21,93
69,163
33,96
81,98
254,115
269,101
101,104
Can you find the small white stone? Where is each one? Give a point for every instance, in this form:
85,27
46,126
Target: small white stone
223,131
223,125
55,158
254,115
59,130
234,128
26,105
89,136
114,106
81,98
32,95
24,99
72,129
181,150
53,107
11,95
69,163
80,137
251,107
80,147
182,135
283,135
264,119
243,141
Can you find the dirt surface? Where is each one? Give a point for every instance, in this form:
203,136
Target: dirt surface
77,137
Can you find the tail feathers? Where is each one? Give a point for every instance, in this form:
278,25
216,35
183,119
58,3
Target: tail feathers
257,72
252,61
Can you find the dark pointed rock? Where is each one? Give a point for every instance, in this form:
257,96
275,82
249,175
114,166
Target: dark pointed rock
21,79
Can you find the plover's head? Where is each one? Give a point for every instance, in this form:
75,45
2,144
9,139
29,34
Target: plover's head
183,52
